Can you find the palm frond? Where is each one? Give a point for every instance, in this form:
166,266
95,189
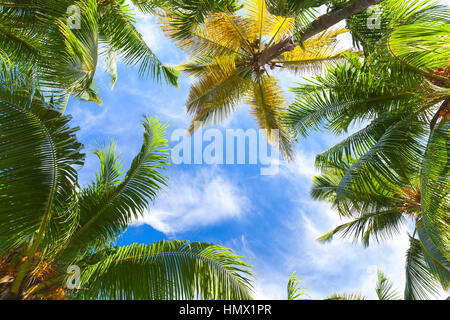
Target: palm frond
106,211
315,53
435,184
360,142
420,282
349,93
435,260
116,25
267,103
217,94
423,45
167,270
380,225
110,165
74,72
293,289
384,288
393,158
20,44
291,8
37,158
345,296
111,65
220,34
256,10
187,15
390,14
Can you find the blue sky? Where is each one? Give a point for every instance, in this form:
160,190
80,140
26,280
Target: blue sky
271,219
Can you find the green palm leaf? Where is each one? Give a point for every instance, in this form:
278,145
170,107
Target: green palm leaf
349,93
435,181
187,15
167,270
436,261
420,282
38,152
384,288
345,296
293,289
106,208
422,45
288,8
380,225
117,28
359,143
389,159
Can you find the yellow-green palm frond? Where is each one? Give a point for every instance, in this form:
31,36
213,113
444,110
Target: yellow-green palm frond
315,52
201,66
282,28
267,103
217,93
220,34
256,10
325,39
229,30
266,24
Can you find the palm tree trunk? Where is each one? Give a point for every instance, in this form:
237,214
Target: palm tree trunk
320,24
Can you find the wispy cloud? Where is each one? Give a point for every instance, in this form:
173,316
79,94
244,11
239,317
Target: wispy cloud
154,37
194,200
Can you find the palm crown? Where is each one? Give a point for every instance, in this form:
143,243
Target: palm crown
231,61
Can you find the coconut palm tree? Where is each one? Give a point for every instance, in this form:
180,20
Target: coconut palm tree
55,232
380,213
397,164
383,289
60,42
229,64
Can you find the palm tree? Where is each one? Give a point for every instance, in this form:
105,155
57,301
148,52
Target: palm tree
383,289
379,214
396,165
229,63
60,42
50,227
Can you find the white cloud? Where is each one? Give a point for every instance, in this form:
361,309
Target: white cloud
150,31
154,37
302,168
196,200
87,118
